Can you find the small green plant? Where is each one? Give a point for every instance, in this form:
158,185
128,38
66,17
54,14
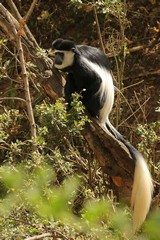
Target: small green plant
150,138
3,65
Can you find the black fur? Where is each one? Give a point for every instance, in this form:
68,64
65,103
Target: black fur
61,44
81,78
94,55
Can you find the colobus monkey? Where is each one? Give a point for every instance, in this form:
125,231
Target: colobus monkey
89,74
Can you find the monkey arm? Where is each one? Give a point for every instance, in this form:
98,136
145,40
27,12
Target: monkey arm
69,88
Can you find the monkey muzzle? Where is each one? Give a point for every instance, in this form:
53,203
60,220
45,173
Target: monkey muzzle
59,56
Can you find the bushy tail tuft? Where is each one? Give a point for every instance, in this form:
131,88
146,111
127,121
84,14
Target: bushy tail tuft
142,184
141,192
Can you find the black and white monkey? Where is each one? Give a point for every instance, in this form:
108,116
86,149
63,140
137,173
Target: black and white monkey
89,74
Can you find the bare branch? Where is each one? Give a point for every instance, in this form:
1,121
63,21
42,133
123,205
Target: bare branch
19,18
12,21
14,9
44,235
134,113
14,25
26,88
12,98
54,234
6,27
98,28
30,10
144,74
17,40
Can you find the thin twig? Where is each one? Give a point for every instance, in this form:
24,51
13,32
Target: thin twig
144,74
12,98
54,234
133,113
121,93
98,28
140,106
30,10
136,48
39,236
133,85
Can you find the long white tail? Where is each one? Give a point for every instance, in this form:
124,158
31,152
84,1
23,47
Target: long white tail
142,184
141,192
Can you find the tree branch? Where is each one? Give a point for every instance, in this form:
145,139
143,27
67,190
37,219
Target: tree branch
18,16
114,159
26,88
30,10
12,98
98,28
54,234
24,72
44,235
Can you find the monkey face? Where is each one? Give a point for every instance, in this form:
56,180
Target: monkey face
63,59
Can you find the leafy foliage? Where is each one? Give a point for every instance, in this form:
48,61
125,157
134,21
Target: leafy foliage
150,138
39,190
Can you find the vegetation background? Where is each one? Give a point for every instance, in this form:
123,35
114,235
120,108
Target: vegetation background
59,191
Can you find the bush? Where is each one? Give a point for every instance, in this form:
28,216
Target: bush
49,189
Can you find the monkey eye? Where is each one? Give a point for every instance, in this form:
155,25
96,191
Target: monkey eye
61,54
74,50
